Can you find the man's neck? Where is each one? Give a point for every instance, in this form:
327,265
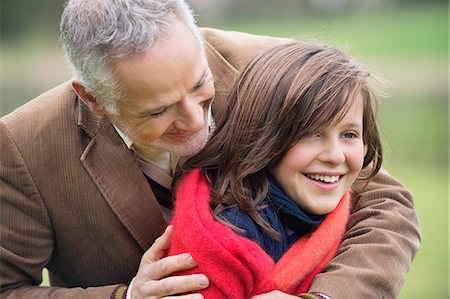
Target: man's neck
164,160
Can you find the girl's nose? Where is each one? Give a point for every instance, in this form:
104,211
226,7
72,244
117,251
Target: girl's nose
332,152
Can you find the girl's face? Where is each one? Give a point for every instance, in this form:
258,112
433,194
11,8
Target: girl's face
320,169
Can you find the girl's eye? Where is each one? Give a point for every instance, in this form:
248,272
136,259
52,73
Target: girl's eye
312,134
349,135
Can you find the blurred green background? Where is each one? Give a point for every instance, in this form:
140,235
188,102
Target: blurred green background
405,42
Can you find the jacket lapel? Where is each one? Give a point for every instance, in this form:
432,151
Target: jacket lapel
113,168
223,73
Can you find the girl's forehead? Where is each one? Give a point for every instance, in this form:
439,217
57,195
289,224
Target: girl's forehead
349,109
352,111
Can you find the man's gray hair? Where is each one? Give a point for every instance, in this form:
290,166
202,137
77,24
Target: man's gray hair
95,31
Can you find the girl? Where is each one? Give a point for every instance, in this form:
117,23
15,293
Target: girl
265,204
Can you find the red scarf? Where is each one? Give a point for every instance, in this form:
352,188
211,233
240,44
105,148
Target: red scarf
238,267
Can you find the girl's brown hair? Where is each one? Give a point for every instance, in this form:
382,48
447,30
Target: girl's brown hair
283,95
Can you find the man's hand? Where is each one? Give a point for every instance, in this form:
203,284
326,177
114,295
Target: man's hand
274,295
153,279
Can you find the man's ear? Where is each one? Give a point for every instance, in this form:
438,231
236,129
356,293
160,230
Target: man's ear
87,98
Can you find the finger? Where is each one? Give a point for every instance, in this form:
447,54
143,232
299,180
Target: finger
177,285
167,265
159,247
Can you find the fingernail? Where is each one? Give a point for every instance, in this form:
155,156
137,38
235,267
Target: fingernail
203,281
197,296
191,260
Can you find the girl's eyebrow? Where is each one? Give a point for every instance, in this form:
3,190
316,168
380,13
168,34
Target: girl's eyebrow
353,124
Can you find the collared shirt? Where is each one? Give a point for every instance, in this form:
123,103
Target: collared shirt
165,161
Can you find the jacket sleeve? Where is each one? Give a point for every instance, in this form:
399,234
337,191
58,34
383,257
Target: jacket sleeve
26,233
383,230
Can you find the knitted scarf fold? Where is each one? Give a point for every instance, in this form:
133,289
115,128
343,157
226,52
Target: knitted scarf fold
237,267
281,213
290,214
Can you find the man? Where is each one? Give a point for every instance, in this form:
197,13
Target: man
85,168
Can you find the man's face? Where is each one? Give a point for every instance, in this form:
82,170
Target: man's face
169,89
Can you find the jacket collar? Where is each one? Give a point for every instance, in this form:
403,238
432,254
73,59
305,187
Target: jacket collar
90,122
223,73
115,171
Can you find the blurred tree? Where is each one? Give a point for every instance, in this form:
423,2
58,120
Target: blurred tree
20,18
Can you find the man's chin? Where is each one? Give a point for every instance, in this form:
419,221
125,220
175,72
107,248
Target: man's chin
181,149
182,152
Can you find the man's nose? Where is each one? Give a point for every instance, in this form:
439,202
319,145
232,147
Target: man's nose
192,116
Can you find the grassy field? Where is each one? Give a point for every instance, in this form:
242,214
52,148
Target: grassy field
416,143
408,45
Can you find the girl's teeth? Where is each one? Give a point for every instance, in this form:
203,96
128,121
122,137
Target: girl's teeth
324,178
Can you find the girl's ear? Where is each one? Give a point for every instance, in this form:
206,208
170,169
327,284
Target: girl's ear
87,98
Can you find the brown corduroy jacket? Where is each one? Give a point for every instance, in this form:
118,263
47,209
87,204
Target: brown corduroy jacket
73,199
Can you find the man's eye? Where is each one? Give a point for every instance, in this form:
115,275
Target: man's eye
158,113
203,82
199,85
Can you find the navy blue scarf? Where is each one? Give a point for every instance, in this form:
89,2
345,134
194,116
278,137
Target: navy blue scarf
290,214
280,213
